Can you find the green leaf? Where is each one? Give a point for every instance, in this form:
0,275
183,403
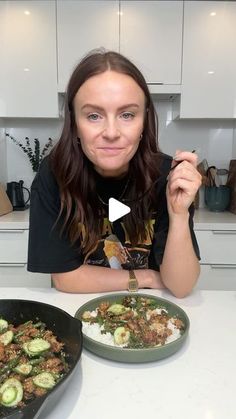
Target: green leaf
35,155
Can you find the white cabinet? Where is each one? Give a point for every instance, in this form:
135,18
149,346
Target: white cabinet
217,246
81,27
151,36
209,60
217,277
13,245
28,70
14,229
147,32
218,258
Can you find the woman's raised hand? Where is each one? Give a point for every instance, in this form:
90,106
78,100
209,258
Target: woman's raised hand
184,180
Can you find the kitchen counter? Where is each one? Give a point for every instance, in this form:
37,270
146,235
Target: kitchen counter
203,220
198,382
209,220
15,220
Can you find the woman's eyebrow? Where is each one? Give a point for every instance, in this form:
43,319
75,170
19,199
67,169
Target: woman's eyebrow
128,105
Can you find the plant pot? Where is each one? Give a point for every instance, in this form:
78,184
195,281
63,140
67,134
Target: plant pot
217,198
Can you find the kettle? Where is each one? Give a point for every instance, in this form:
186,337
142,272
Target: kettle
15,192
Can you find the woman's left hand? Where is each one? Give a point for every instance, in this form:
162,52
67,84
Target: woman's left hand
183,183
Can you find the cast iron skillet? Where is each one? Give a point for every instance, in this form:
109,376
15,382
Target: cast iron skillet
65,327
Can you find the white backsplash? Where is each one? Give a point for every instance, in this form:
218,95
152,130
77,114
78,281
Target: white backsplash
18,164
234,142
3,164
214,139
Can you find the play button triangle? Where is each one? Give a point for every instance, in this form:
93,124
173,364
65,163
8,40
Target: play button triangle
116,209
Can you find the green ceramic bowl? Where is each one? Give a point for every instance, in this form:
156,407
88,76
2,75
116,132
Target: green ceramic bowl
134,355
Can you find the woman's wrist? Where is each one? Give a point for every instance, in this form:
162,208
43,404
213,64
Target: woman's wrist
143,277
179,220
148,278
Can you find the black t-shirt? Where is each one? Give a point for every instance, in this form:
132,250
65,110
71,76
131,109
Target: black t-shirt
50,251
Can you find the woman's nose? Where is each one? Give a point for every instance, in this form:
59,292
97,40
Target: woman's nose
111,129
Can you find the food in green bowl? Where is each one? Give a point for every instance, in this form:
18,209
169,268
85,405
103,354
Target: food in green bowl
133,328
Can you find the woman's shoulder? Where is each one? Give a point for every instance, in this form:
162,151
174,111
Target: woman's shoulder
45,177
45,167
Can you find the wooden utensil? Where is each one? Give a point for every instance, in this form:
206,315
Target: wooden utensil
215,177
211,176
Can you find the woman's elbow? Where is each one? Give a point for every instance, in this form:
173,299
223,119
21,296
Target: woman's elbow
181,293
67,281
61,283
57,283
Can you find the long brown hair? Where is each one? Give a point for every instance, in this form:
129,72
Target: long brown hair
75,175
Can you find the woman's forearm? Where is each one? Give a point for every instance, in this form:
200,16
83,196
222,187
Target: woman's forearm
180,267
94,279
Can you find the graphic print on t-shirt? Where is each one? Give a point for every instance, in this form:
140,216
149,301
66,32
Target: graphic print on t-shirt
119,254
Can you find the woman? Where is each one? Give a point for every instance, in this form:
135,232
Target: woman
108,148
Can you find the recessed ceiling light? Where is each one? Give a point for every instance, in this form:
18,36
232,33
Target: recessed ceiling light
212,13
27,12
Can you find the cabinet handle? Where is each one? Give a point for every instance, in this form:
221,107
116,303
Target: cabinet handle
11,231
155,82
224,231
12,265
215,266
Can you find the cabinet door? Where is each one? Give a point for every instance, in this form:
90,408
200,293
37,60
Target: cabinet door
217,246
13,245
217,277
81,27
209,60
28,72
151,36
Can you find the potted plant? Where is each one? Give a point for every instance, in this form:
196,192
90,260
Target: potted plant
35,154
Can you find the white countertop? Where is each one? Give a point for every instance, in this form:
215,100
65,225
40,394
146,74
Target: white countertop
198,382
209,220
203,220
15,220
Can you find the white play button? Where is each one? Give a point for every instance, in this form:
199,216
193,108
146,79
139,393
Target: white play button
116,209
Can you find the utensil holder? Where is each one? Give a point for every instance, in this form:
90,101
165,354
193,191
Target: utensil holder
217,198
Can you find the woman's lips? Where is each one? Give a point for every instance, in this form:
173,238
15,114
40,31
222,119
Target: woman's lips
111,150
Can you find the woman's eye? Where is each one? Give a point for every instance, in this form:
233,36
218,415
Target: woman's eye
128,115
93,117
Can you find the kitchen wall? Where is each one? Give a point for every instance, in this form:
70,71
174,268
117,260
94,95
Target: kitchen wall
215,140
18,164
234,142
3,166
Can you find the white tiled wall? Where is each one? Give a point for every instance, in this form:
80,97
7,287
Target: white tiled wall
214,139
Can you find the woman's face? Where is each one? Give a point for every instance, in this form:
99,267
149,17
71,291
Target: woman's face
109,113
